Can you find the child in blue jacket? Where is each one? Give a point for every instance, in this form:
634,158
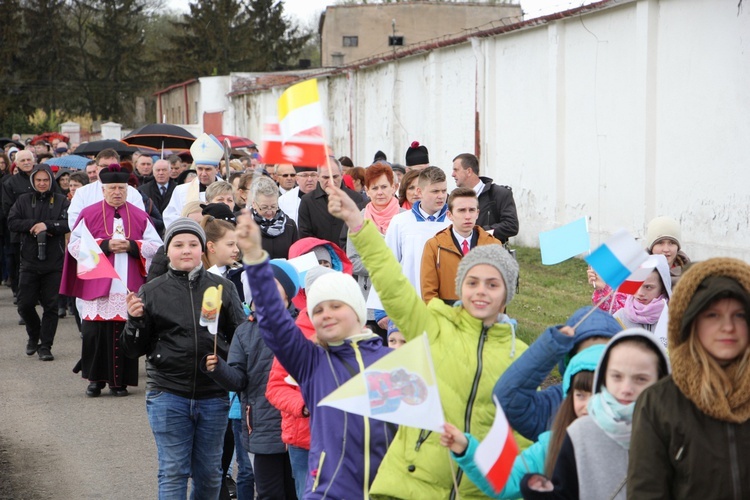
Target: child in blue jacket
529,410
542,455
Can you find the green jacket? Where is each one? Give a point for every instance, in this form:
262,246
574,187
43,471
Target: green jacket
468,358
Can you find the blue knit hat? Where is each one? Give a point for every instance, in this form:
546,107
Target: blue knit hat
598,324
586,360
287,275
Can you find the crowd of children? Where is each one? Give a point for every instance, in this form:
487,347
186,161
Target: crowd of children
621,424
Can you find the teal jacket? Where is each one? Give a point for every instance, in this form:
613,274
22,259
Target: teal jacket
531,460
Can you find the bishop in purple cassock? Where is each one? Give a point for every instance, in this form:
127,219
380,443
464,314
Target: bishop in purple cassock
128,239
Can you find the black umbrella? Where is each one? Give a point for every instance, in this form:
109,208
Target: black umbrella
6,140
95,147
161,135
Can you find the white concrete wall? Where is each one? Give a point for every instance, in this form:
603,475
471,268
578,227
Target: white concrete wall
213,98
623,114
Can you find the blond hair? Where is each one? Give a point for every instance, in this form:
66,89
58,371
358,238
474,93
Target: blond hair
190,208
713,378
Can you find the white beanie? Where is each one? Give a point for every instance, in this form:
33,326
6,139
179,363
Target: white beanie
337,286
663,228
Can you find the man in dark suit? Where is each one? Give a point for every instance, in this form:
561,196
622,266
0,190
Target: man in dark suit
160,188
497,209
313,218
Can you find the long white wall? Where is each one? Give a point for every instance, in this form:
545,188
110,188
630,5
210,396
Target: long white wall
632,111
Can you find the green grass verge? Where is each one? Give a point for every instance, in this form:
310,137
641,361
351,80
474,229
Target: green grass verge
547,295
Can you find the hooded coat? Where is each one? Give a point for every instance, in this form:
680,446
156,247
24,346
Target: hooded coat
533,458
682,448
592,465
530,411
48,207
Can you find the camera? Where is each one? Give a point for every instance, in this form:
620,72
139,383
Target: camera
41,242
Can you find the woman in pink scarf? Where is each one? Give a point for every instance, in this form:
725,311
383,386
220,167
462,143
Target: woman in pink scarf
643,309
380,187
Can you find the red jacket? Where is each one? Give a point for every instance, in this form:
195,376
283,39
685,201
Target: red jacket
304,245
287,397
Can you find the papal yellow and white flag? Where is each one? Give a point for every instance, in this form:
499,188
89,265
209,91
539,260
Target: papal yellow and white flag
296,135
400,388
299,109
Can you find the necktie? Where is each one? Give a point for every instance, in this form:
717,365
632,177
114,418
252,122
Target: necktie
431,218
163,190
465,247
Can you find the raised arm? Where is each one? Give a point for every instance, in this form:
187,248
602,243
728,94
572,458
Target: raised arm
528,409
277,326
400,300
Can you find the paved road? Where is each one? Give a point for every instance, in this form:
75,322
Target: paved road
54,441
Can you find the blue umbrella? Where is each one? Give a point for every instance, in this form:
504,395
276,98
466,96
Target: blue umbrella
71,161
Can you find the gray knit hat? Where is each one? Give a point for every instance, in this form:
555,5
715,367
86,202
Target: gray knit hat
184,225
495,256
314,273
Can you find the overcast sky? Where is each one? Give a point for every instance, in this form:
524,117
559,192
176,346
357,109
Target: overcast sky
303,10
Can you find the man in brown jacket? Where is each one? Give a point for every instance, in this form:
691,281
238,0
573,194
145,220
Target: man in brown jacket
444,251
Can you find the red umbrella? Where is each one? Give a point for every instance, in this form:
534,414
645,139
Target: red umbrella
49,137
236,141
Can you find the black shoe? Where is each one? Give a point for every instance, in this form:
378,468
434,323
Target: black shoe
118,392
61,312
231,486
15,300
94,389
31,347
45,354
21,321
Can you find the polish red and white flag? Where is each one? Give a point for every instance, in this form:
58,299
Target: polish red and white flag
497,451
92,263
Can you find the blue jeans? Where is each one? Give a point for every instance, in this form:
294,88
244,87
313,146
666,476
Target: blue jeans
298,458
189,436
245,478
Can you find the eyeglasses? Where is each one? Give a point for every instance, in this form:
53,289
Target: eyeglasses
308,176
285,176
266,208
